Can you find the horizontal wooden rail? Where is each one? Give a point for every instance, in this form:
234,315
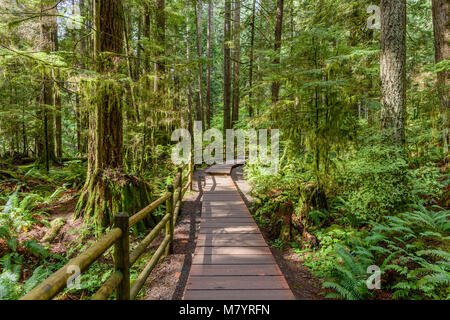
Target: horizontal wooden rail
108,287
149,209
140,249
149,268
118,237
57,281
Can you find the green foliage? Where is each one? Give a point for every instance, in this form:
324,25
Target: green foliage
374,183
277,243
400,247
18,215
11,288
322,261
352,276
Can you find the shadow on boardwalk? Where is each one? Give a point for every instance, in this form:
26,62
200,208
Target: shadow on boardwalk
168,280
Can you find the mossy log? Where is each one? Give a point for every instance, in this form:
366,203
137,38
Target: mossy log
109,192
51,234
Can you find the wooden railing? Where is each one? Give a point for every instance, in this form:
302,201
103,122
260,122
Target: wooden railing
118,237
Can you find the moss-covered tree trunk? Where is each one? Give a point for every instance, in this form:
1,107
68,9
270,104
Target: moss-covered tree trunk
108,190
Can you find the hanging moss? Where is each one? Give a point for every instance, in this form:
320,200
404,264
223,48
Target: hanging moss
108,190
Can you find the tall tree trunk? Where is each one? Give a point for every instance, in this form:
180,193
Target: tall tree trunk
198,29
57,100
130,86
392,69
58,123
24,133
252,57
146,34
137,68
227,67
160,38
189,88
78,124
441,23
83,117
107,190
236,63
277,48
209,68
83,39
46,144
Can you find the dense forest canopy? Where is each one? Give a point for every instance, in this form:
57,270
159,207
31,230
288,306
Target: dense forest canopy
91,91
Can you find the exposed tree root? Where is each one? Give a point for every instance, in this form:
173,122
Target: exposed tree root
109,192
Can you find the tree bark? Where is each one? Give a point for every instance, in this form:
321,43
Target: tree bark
189,88
160,38
236,62
46,141
252,57
227,67
277,48
146,34
441,26
209,67
393,70
198,30
57,101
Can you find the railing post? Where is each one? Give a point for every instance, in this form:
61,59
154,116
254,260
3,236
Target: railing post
122,256
169,224
180,187
191,172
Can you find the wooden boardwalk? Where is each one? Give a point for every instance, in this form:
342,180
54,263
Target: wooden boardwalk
231,261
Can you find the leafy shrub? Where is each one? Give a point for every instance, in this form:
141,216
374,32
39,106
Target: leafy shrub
426,184
374,183
322,261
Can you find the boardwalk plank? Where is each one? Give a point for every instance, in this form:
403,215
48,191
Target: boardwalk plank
229,219
235,270
230,243
255,259
231,260
239,295
232,250
228,224
237,283
225,236
235,229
